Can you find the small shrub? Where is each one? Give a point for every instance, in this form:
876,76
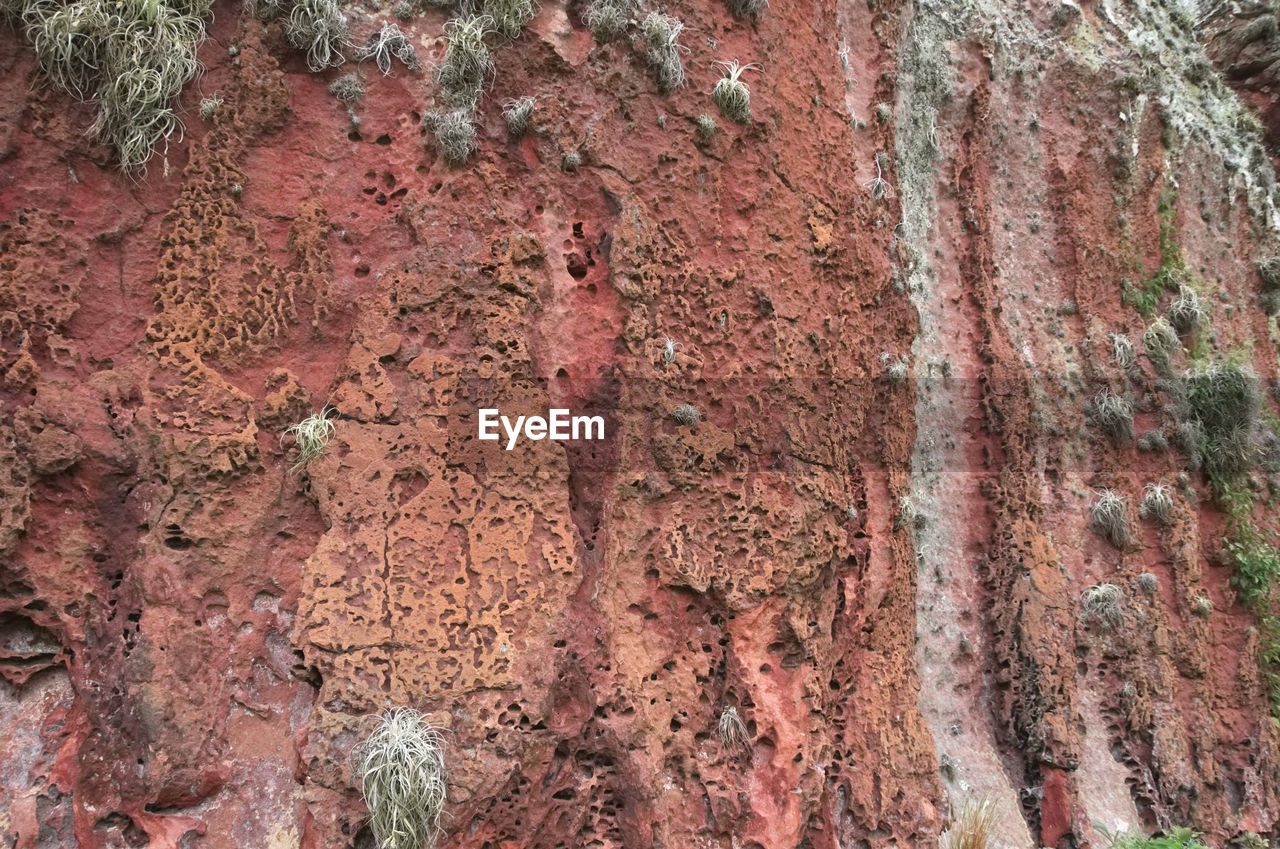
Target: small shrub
1157,503
467,66
731,730
387,43
455,134
884,113
1185,313
662,34
1104,604
1202,606
686,414
571,162
311,435
518,113
510,16
402,777
705,128
1109,516
1255,563
403,10
1161,342
972,827
349,88
319,28
745,8
1148,583
731,93
1113,415
669,348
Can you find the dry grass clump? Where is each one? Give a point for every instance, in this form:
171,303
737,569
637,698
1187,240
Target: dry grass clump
510,16
731,730
1103,603
1109,516
131,59
1185,313
1157,503
518,113
1161,342
1122,351
731,93
686,414
387,43
454,132
319,28
746,8
402,778
608,19
467,66
349,88
662,34
972,827
311,435
1112,414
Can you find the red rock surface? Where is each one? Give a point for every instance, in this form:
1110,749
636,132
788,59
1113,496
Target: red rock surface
192,638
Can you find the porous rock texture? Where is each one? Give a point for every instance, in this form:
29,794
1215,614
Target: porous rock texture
879,571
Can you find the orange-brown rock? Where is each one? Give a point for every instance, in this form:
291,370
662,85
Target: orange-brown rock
872,544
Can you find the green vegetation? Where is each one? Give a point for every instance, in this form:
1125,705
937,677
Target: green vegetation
1172,273
1177,838
731,93
1223,401
402,777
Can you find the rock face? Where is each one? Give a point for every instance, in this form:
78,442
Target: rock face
890,296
